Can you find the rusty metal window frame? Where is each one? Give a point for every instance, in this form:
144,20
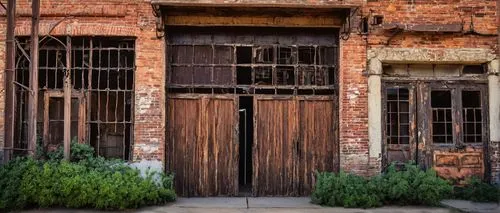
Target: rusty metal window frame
274,68
93,60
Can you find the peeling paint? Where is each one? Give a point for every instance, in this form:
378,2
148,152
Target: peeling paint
151,147
353,94
145,99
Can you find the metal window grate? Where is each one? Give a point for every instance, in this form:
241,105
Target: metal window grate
398,116
102,72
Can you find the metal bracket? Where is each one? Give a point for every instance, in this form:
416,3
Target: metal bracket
160,26
345,31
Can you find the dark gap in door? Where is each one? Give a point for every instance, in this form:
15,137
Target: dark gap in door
246,140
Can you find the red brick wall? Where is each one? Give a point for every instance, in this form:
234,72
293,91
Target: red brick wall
435,12
353,116
484,18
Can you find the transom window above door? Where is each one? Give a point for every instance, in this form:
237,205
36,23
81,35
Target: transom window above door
254,60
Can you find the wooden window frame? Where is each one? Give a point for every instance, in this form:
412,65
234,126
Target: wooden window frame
82,116
457,112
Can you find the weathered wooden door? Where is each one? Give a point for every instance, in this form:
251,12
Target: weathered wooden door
275,147
202,144
318,147
457,121
294,138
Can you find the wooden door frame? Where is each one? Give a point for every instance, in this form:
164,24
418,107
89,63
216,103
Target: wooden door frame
82,114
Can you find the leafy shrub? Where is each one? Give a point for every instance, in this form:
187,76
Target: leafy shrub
413,186
91,182
478,191
344,190
409,186
79,152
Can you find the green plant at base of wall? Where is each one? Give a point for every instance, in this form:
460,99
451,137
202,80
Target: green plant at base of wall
84,182
411,186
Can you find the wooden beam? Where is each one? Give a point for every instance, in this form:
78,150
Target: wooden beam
67,101
33,97
9,79
243,20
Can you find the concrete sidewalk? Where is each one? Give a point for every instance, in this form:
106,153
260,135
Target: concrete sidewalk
469,206
255,205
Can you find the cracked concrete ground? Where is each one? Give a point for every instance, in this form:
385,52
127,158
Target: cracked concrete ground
254,205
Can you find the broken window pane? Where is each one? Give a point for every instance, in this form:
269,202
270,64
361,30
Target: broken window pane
472,116
306,75
286,55
441,117
326,56
397,115
244,55
265,55
244,75
285,75
263,76
321,76
306,55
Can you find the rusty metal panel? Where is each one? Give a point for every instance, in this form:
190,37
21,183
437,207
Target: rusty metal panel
202,147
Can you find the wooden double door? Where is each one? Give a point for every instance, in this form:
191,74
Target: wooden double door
439,125
294,137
